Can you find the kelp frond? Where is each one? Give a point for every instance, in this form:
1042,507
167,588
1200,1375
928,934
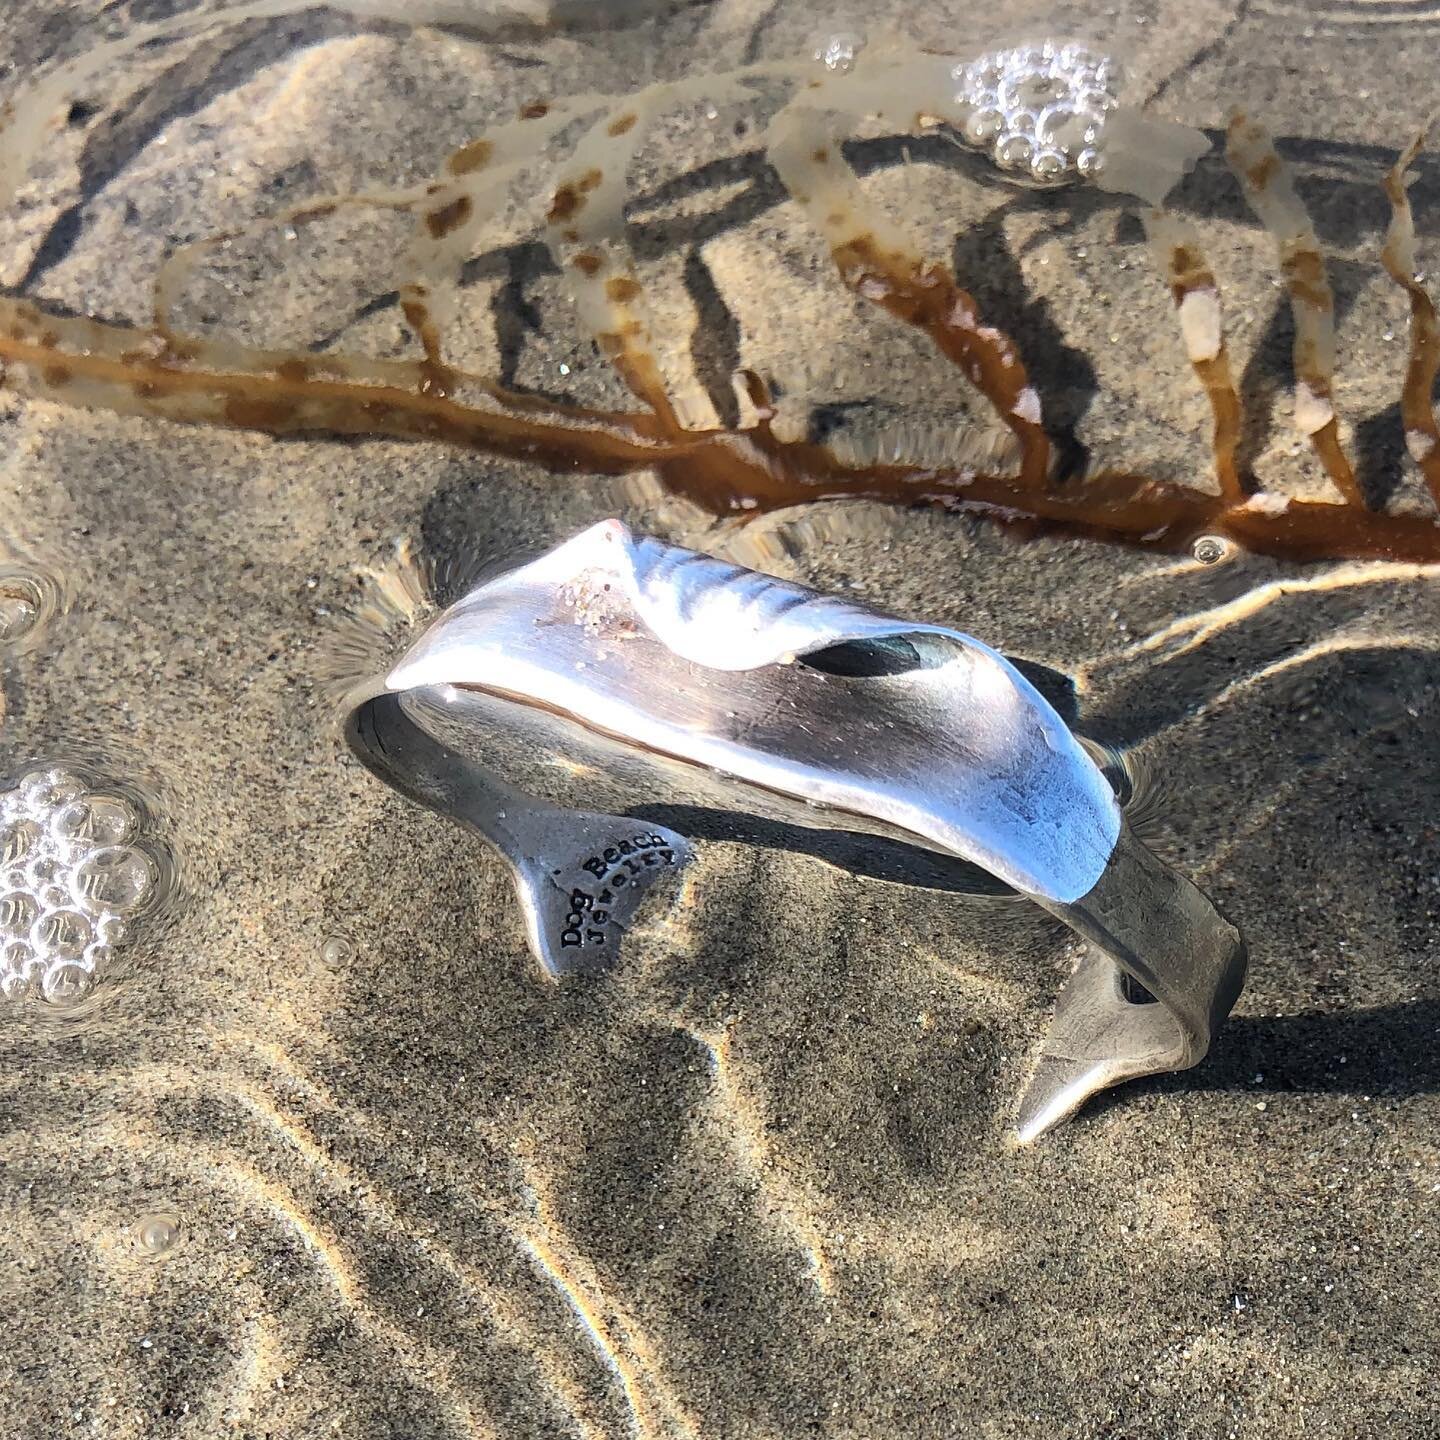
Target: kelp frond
160,371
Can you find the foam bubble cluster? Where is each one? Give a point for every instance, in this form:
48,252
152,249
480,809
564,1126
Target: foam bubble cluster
71,880
837,50
1040,110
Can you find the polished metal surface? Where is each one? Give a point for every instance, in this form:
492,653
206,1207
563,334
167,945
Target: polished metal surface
618,673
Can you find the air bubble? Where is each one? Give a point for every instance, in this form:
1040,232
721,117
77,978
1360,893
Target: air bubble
1014,152
116,878
1065,128
984,125
42,873
72,821
61,935
1034,92
19,836
43,790
19,910
978,77
15,955
98,957
1210,549
19,610
54,897
110,930
1048,166
157,1234
66,982
1025,122
98,819
337,950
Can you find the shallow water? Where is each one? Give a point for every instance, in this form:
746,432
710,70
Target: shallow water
321,1153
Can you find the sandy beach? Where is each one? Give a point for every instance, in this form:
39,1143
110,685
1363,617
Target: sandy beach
758,1181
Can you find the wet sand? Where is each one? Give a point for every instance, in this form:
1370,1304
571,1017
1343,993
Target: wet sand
757,1183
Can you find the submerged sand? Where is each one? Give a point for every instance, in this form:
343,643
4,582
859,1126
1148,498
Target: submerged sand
757,1183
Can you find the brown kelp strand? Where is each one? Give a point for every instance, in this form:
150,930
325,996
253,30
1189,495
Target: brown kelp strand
728,472
290,392
576,152
1196,297
1417,411
876,262
1270,189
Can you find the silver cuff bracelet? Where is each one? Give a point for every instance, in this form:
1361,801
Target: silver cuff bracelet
634,672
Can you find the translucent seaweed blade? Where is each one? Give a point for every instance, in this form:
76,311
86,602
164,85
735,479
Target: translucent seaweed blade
457,205
588,235
1147,156
1270,190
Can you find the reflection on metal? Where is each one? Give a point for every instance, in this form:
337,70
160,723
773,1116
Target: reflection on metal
620,672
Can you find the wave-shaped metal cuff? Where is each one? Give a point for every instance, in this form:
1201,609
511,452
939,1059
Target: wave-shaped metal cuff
619,672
